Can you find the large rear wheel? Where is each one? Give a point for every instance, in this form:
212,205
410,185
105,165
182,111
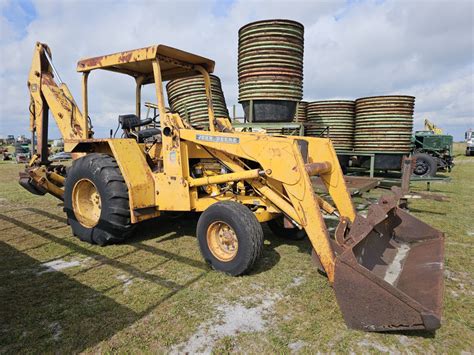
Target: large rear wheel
230,237
96,200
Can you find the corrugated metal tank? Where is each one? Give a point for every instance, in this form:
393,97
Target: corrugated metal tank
187,97
384,123
270,69
301,112
333,119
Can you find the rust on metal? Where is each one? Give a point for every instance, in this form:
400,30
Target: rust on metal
341,230
188,98
389,273
175,63
355,184
125,57
408,164
333,119
301,113
49,81
384,123
270,61
91,62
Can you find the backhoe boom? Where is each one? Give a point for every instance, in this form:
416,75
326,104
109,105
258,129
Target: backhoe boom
46,95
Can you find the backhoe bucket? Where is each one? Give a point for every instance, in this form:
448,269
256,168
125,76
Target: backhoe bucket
29,184
389,273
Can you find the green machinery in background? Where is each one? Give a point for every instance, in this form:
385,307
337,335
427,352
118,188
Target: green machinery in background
433,152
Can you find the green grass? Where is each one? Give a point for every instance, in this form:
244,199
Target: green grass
155,292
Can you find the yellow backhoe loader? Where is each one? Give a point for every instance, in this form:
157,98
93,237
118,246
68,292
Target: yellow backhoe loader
386,269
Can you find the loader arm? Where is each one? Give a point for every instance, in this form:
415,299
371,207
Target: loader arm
374,263
282,161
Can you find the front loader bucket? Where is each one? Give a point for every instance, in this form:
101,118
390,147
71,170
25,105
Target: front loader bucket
389,274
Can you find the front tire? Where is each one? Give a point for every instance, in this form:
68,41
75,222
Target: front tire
230,237
425,165
96,200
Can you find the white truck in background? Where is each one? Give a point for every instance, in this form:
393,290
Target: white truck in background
469,137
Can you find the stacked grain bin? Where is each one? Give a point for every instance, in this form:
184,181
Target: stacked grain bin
187,97
270,69
301,112
333,119
384,123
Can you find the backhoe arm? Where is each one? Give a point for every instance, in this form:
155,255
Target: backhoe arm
45,95
430,126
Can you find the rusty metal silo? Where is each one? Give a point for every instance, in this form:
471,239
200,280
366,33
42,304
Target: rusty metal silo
301,112
333,119
270,69
187,97
384,123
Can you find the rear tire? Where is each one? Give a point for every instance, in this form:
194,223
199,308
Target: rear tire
277,227
425,165
111,221
230,237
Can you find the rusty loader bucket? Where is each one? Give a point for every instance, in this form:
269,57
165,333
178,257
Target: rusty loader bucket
389,271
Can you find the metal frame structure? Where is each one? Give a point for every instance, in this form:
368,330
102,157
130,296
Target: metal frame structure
388,181
255,127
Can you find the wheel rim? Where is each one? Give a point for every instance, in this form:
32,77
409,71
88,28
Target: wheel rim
86,203
421,167
222,241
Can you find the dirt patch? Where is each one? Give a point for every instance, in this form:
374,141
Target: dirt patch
296,346
298,280
366,343
127,282
231,319
58,265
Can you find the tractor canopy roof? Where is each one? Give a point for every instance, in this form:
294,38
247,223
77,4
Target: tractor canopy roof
174,63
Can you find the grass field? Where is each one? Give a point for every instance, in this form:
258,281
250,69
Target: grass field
155,293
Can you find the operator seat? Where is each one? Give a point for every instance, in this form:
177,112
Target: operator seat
129,124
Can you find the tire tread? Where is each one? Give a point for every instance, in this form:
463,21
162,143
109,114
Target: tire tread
252,227
117,215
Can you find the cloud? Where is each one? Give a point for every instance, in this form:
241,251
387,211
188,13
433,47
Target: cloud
352,49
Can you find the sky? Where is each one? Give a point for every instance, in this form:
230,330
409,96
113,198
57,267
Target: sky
353,48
